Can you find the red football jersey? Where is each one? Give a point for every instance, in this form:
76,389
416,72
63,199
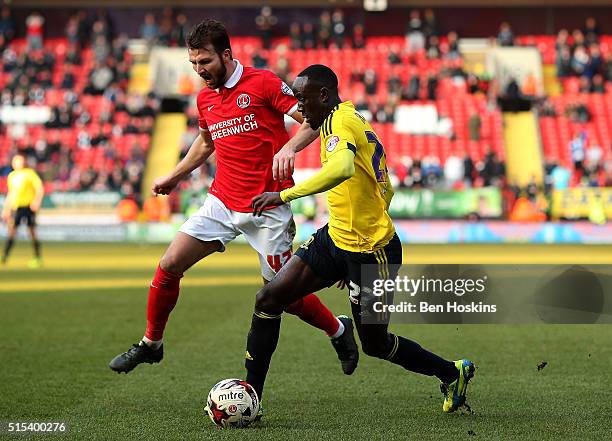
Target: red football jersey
246,122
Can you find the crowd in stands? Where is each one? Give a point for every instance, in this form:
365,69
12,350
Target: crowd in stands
96,135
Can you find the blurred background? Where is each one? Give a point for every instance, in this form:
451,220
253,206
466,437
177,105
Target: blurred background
496,117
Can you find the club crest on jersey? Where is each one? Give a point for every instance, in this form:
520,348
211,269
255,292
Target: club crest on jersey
243,101
331,143
286,89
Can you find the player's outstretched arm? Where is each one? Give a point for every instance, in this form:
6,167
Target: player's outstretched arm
201,148
339,167
284,161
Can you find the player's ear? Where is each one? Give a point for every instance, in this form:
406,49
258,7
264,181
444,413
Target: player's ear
324,94
227,54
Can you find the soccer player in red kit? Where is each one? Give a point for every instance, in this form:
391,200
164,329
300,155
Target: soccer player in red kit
241,118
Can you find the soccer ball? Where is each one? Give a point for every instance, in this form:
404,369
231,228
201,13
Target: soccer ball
232,403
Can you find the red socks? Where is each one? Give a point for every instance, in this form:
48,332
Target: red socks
312,311
163,294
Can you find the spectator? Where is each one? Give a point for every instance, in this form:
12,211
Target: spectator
415,40
547,108
100,77
394,82
73,55
394,55
180,31
45,82
34,30
591,31
430,24
101,49
594,156
564,62
584,85
83,26
72,30
598,85
370,81
99,30
149,30
99,139
338,28
325,29
415,175
562,40
468,170
493,170
578,113
358,39
116,177
385,114
453,171
414,86
577,150
295,36
577,39
595,62
259,61
265,22
166,25
7,24
309,40
120,47
361,104
505,37
472,84
433,48
560,177
474,125
432,86
87,178
431,170
453,45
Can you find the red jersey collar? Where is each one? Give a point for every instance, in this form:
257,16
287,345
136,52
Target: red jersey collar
235,77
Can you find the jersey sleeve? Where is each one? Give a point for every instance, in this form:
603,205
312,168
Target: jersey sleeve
337,136
201,120
279,94
36,181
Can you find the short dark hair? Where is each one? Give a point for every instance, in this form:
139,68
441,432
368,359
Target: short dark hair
321,74
209,32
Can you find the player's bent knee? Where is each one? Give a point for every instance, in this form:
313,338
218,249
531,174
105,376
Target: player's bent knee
266,302
378,348
171,263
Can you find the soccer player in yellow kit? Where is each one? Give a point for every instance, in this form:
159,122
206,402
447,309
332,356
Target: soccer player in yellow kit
25,194
360,232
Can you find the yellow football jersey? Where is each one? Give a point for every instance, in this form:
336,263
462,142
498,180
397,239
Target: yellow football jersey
22,187
358,218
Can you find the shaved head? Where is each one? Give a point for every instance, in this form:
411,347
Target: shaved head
316,89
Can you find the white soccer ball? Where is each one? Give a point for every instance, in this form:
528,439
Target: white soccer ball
232,403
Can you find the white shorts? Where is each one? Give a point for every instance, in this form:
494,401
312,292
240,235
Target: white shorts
271,234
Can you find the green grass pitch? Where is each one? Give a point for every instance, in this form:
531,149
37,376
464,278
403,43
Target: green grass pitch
62,324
